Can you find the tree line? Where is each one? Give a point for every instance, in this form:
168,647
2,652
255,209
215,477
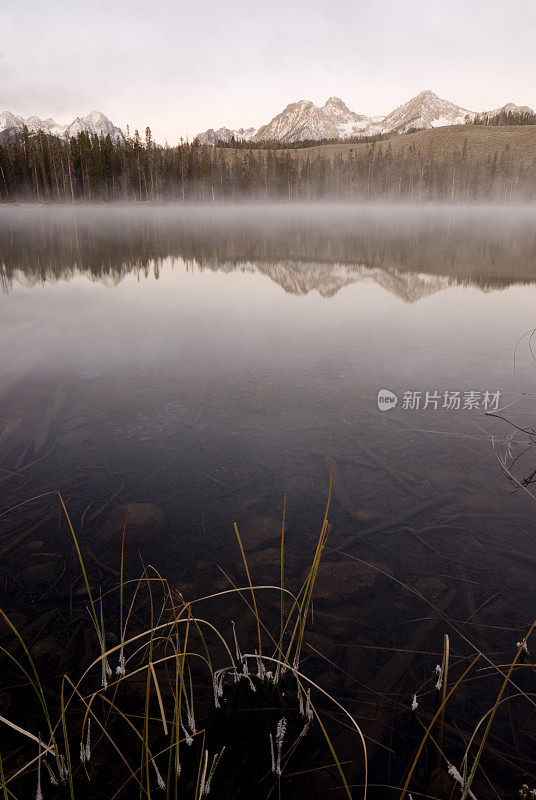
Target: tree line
503,118
277,144
89,168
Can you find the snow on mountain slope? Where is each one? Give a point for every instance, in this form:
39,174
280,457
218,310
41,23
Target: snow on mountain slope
427,110
34,124
9,120
94,123
349,123
334,120
225,135
301,121
298,122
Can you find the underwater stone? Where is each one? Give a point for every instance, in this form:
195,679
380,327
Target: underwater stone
144,523
42,573
338,582
257,532
47,649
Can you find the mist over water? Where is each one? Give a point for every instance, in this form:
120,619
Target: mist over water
208,361
465,242
281,323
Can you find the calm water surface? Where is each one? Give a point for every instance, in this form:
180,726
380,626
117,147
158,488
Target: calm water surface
210,361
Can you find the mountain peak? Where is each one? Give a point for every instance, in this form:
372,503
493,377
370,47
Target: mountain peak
348,122
300,104
335,101
224,134
299,121
94,123
8,120
302,120
96,116
512,108
426,110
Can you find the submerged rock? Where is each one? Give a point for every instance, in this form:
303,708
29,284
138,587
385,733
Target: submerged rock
43,573
264,566
271,557
47,650
144,523
257,532
337,583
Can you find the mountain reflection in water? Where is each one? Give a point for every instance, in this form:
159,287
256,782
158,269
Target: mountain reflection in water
301,248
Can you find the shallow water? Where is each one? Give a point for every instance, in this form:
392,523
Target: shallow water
211,361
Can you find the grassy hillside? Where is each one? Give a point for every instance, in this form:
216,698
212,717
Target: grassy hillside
482,141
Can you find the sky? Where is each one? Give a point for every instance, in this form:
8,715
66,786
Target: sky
182,66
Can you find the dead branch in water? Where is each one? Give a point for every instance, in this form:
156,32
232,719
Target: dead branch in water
51,412
397,521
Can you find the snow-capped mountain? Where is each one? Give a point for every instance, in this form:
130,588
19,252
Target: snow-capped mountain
508,108
298,122
347,122
225,135
94,123
35,124
301,121
334,120
427,110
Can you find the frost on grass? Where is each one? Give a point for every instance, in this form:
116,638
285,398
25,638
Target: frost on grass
524,646
159,779
453,772
85,749
276,752
439,673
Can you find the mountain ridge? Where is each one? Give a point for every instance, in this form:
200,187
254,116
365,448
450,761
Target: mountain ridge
93,123
303,120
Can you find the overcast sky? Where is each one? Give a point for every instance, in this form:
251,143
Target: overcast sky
182,67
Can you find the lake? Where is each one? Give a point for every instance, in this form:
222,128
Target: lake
211,362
